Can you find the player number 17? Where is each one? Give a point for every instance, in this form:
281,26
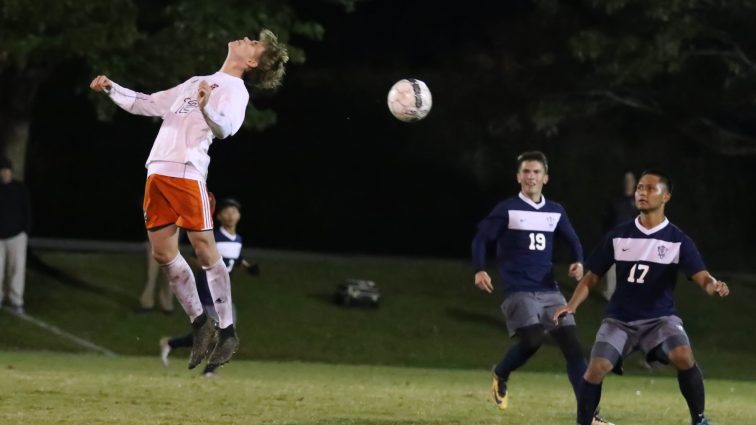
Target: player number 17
642,271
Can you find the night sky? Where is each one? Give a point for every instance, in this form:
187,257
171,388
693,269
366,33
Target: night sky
337,173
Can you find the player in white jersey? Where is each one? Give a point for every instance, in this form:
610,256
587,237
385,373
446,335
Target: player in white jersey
641,315
194,113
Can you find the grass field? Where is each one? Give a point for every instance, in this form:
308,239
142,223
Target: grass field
304,360
48,388
431,316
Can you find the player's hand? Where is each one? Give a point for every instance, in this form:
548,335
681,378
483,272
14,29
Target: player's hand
483,282
718,288
204,93
101,83
576,271
561,312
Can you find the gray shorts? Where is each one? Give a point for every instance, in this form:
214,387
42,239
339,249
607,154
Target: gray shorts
523,309
616,338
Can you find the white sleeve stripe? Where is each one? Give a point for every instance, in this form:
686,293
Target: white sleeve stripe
646,249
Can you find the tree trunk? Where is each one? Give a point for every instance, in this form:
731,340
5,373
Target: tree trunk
18,88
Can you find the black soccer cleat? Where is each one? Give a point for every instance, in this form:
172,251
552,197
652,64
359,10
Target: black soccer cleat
203,337
228,343
618,369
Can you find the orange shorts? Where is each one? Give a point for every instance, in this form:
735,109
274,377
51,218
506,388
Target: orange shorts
183,202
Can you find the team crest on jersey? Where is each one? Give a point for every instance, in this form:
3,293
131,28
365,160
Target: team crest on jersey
214,86
550,220
662,251
188,106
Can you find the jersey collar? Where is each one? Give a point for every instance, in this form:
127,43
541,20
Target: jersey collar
653,230
227,234
530,202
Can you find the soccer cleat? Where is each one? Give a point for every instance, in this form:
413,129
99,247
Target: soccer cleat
598,420
165,349
499,393
702,421
203,335
227,345
618,369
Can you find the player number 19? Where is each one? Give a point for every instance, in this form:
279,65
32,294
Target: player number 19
537,242
642,270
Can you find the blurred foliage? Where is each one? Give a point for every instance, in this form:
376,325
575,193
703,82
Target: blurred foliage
688,62
146,45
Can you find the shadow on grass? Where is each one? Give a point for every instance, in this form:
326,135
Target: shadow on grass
35,263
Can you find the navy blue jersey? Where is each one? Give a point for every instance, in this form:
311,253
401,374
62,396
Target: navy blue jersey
229,248
647,263
524,234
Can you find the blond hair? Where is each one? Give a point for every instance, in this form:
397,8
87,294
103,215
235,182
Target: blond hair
270,69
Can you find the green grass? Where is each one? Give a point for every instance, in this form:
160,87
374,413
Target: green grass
432,315
54,388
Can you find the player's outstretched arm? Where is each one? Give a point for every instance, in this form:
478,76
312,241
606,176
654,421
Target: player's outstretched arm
581,293
151,105
710,284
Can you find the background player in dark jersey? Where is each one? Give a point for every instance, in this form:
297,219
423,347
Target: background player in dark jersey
524,229
641,314
229,244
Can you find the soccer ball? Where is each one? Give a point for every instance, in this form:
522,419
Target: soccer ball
409,100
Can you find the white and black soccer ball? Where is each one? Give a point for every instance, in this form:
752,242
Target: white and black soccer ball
409,100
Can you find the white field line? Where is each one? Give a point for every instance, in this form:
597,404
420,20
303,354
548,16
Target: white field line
63,334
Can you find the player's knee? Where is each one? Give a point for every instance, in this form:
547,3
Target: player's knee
682,357
204,248
206,255
597,369
163,256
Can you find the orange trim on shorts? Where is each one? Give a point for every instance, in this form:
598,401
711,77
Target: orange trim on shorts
173,200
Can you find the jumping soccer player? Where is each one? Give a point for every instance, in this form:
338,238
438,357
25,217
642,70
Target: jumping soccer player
641,314
524,227
194,113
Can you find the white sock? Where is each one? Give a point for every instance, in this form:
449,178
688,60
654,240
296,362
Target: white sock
181,280
219,282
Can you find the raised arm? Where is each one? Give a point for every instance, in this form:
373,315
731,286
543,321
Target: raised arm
151,105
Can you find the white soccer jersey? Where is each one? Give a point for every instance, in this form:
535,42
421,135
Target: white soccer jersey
185,135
